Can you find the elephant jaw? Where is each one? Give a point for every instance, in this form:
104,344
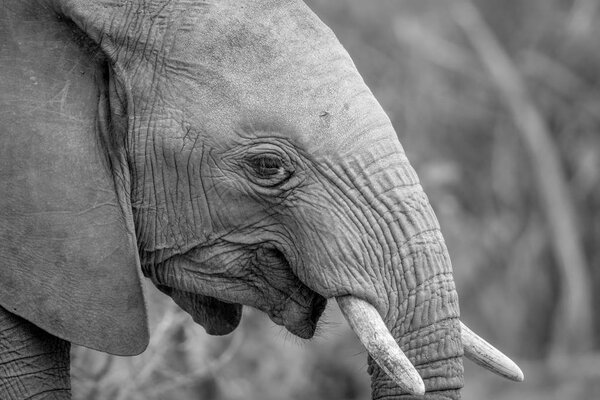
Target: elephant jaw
217,304
221,318
217,317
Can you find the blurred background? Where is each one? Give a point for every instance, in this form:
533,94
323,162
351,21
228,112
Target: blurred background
497,106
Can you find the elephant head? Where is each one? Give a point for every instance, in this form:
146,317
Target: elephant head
230,152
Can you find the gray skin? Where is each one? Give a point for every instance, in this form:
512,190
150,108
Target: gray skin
227,150
32,362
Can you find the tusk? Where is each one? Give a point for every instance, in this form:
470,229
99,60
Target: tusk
481,352
368,325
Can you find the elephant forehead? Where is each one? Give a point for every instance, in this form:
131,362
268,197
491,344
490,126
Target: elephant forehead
268,65
272,66
259,32
316,125
250,48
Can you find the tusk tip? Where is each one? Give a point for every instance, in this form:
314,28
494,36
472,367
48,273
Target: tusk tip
486,355
418,388
517,375
410,381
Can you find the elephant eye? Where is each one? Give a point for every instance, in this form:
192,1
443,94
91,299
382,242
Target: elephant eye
269,170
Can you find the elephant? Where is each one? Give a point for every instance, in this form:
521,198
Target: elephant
230,152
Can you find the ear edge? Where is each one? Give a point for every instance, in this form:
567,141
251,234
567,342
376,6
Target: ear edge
64,222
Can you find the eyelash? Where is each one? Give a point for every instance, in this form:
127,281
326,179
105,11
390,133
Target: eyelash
269,170
267,165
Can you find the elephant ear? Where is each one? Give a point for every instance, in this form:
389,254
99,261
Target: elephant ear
69,261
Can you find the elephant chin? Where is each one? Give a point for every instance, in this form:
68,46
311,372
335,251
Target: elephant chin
301,320
217,317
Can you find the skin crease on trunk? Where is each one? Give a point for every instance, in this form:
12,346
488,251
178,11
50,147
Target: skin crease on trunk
263,172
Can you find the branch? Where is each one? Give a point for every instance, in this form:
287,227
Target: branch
573,329
154,355
210,369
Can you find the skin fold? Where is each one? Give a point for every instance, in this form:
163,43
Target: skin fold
32,362
242,154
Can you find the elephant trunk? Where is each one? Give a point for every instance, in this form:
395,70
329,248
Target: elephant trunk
408,315
423,320
33,363
428,331
414,336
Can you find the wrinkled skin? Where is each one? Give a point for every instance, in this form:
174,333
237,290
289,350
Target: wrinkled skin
261,171
32,362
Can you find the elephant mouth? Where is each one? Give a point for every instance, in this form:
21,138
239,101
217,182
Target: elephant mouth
301,308
301,320
264,281
217,317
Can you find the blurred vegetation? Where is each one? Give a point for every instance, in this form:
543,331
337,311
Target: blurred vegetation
497,104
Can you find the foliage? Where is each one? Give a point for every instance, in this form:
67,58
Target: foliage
459,125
